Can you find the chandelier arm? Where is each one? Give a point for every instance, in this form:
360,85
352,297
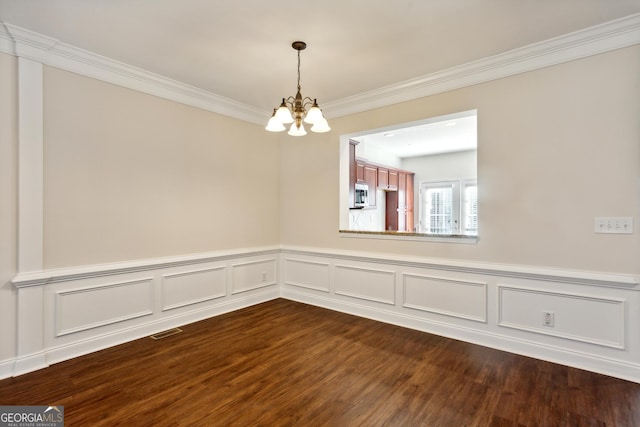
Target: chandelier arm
290,101
307,101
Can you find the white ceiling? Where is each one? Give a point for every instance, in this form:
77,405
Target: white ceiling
242,49
456,132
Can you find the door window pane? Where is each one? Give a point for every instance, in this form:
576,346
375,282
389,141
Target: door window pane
470,219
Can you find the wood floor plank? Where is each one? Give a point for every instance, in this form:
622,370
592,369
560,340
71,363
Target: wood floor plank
283,363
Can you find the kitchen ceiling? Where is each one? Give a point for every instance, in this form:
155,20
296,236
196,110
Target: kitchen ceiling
432,136
242,50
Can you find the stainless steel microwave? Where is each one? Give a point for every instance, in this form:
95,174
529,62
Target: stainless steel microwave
362,195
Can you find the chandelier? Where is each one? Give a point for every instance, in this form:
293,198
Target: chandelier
296,110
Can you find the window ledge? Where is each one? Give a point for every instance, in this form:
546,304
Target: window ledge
401,235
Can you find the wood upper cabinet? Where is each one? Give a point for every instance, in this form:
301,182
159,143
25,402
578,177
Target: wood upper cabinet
393,180
383,178
387,179
359,170
371,179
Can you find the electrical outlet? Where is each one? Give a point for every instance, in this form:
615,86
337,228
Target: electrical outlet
613,225
264,276
548,318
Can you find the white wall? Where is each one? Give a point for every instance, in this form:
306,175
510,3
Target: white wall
131,176
449,166
8,205
563,136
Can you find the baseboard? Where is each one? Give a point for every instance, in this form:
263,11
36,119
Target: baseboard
6,368
29,363
579,360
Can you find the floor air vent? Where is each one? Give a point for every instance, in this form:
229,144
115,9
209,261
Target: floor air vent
165,334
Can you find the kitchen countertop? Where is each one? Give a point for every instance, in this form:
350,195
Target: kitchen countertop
407,233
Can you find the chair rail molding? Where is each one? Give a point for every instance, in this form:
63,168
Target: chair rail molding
592,278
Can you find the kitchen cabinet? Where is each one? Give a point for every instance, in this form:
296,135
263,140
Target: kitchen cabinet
387,179
399,207
393,180
383,178
359,170
397,185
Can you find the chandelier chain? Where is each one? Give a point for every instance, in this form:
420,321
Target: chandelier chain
298,71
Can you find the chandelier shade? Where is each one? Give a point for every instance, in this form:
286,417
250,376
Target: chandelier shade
274,124
283,115
296,130
314,114
296,110
321,126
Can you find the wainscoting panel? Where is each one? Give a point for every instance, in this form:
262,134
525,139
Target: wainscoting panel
84,309
254,275
192,287
577,317
87,308
457,298
366,283
307,274
498,306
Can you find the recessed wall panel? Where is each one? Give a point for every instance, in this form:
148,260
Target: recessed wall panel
307,274
192,287
577,317
366,283
448,296
253,275
81,309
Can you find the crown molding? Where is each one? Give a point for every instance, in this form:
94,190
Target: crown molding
21,42
602,38
27,44
617,34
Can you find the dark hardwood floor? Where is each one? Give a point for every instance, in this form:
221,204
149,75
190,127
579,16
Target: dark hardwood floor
283,363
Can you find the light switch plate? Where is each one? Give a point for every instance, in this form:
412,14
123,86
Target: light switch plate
613,225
